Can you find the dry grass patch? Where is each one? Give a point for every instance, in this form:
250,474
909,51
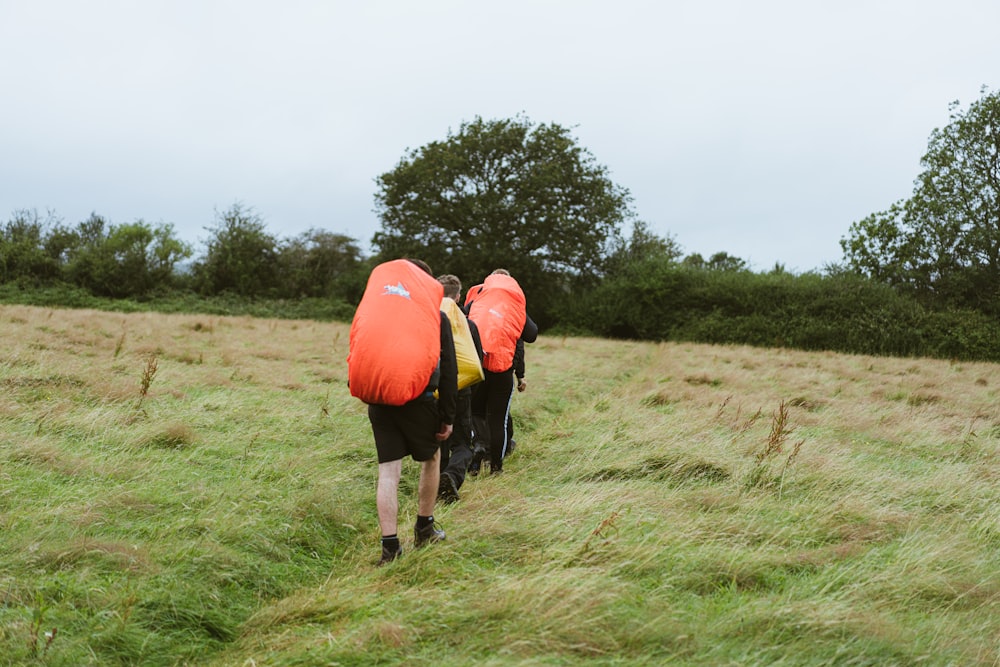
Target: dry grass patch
43,455
175,435
84,552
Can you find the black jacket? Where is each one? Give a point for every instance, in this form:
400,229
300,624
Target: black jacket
447,384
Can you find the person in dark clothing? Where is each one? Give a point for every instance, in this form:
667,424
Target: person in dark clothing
415,429
480,441
491,404
456,451
521,385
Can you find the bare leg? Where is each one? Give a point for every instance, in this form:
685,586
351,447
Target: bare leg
427,488
387,495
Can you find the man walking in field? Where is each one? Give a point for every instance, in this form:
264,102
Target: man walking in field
401,354
499,310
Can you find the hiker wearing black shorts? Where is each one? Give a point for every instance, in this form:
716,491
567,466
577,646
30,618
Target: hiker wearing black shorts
416,427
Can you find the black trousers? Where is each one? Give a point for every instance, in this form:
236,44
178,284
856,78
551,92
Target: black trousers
456,452
491,404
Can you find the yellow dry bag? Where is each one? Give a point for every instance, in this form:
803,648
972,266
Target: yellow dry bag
470,371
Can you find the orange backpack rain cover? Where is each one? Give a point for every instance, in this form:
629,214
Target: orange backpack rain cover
471,294
499,312
395,341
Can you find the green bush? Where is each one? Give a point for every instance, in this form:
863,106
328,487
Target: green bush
30,249
962,334
662,300
240,257
127,260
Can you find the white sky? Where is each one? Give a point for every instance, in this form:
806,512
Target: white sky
761,128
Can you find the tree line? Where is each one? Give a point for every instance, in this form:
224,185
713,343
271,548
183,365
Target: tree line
921,278
138,260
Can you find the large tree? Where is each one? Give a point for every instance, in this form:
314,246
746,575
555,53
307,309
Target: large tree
943,244
241,256
318,263
503,193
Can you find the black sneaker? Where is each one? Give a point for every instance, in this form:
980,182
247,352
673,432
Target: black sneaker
389,555
447,489
478,456
427,534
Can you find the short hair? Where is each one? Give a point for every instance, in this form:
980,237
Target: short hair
500,272
422,264
452,285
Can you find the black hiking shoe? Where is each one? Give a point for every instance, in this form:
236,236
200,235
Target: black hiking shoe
388,555
426,535
478,456
447,489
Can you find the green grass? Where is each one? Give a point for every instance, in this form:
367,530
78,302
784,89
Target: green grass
180,301
667,504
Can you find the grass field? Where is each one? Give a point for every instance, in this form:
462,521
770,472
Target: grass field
199,490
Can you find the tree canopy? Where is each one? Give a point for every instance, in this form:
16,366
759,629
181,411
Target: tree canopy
124,259
241,255
943,244
318,263
503,193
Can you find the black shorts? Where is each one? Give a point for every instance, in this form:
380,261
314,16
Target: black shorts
406,429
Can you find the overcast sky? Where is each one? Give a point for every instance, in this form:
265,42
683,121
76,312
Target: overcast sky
761,128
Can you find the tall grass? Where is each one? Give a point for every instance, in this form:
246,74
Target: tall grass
201,491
